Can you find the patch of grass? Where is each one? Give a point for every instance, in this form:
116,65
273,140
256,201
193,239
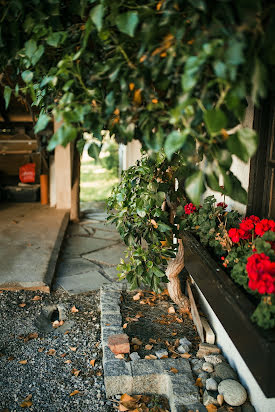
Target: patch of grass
96,182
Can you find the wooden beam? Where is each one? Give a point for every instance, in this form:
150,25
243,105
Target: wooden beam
63,173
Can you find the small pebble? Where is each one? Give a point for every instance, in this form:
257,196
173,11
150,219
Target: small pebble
214,359
185,341
207,367
183,348
134,356
211,384
160,353
233,392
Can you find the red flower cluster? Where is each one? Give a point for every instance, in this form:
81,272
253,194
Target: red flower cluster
245,229
189,208
264,226
261,273
222,204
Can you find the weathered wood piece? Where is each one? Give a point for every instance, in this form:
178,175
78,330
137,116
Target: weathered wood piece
194,311
209,334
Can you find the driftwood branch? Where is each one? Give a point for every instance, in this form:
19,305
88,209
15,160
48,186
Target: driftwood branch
175,266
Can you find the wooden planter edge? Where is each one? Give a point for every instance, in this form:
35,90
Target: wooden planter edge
233,309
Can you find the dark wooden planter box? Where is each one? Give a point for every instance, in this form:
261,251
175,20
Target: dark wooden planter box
233,309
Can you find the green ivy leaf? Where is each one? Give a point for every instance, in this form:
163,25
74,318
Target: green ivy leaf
158,272
259,80
215,120
243,144
96,15
30,47
94,150
7,96
234,53
37,55
65,134
194,187
80,145
174,141
42,122
56,38
27,76
198,4
127,22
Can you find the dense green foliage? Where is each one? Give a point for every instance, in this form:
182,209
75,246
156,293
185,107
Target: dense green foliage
173,74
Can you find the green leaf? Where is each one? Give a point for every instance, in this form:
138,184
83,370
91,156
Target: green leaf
7,96
127,22
162,227
174,141
56,38
243,144
198,4
223,156
233,187
38,54
234,53
42,122
94,150
158,272
215,120
30,47
188,81
80,145
27,76
194,187
65,134
213,181
259,81
96,15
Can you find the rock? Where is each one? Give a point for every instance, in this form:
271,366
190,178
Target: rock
160,353
209,397
197,365
207,349
134,356
185,341
198,407
224,371
220,399
207,367
233,392
211,384
214,359
203,377
183,348
247,407
119,343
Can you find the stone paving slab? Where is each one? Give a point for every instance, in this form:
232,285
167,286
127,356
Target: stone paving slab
103,234
108,227
142,376
78,246
109,257
84,282
75,229
30,241
75,266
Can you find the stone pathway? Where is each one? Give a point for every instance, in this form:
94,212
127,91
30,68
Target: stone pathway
91,251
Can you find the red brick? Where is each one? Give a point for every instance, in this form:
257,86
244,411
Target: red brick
119,343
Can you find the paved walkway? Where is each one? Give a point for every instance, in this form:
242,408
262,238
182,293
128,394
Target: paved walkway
30,240
91,251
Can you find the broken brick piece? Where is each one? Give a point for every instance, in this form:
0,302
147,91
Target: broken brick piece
119,343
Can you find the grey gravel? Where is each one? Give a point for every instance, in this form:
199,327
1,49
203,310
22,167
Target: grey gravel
185,341
47,377
134,356
211,384
160,353
207,367
183,348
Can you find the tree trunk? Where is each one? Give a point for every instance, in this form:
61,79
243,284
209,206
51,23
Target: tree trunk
173,270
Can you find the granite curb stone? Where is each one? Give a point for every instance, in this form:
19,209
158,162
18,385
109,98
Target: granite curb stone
142,375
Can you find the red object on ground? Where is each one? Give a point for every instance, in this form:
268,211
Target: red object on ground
119,343
27,173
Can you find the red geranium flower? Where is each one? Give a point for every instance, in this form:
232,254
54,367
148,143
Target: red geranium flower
222,204
264,226
234,235
261,273
189,208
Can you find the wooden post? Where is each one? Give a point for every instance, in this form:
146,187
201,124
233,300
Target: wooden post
63,173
